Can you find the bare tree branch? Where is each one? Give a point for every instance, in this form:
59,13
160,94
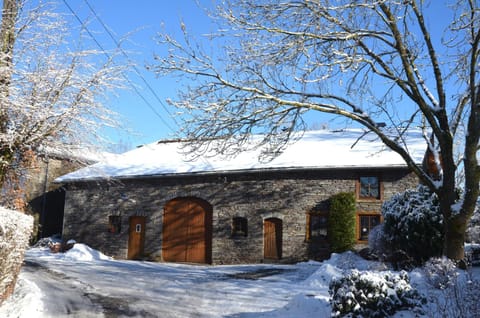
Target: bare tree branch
364,61
54,94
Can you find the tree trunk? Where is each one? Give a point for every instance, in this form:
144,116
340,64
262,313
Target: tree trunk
455,228
7,35
7,38
6,157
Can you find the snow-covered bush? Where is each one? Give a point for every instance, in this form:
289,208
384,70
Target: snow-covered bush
472,254
448,289
373,295
413,224
473,229
376,241
440,272
15,231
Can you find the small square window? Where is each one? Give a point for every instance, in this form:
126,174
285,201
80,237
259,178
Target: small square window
114,224
239,227
367,223
369,188
318,226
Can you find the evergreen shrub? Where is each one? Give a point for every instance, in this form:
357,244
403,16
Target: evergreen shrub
341,223
413,224
373,295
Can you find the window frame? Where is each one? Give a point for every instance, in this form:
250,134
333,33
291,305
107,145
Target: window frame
239,227
358,188
114,224
358,227
308,232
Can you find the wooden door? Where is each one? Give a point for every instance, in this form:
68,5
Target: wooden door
174,231
136,237
272,238
187,233
195,243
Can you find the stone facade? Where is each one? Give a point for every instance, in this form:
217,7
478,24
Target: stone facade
45,198
289,195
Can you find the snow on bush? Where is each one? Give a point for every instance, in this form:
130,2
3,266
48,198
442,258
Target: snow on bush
369,294
376,241
472,254
15,230
473,229
448,289
413,225
440,272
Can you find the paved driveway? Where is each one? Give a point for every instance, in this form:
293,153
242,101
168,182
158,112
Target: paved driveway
141,289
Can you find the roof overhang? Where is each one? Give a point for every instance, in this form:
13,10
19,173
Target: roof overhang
232,172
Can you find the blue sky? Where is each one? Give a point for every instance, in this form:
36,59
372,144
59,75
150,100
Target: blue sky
142,110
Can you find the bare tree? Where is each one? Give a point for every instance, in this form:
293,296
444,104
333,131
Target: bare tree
7,36
366,61
52,90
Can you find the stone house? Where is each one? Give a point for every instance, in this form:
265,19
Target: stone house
156,203
45,198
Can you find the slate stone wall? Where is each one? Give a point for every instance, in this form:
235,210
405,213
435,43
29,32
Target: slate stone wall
45,198
256,196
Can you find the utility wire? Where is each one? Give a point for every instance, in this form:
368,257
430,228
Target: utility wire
124,76
128,58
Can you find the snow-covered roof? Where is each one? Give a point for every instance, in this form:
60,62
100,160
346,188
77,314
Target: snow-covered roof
315,149
80,153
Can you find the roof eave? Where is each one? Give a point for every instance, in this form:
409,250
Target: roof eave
217,172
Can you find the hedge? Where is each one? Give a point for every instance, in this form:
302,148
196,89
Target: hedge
15,231
341,227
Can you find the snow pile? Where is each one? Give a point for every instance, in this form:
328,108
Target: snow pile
338,265
84,253
317,302
26,301
15,230
78,253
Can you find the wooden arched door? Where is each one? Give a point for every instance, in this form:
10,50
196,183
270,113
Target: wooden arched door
187,231
272,238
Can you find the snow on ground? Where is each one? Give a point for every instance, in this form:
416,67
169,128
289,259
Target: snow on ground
85,283
25,302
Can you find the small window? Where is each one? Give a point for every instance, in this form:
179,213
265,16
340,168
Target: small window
114,223
369,188
367,223
239,227
317,226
